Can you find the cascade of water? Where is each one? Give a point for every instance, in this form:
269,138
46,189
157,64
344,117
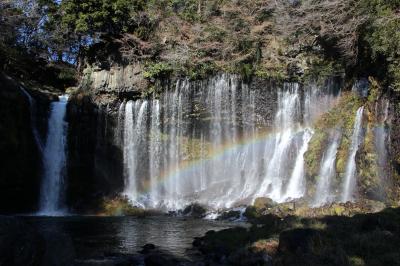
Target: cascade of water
350,174
381,137
135,135
297,186
54,160
119,135
327,171
155,152
200,142
32,106
287,125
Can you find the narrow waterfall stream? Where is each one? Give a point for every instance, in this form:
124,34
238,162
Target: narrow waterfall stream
350,174
327,172
215,142
297,186
381,134
54,160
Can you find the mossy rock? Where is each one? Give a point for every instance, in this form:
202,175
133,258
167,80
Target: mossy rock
264,203
121,206
315,151
338,210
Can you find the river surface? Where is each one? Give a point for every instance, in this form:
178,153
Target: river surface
91,237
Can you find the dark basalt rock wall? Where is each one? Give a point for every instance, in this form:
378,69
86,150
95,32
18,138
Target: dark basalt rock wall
395,132
94,158
20,163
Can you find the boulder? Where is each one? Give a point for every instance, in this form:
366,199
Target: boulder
264,203
195,210
230,215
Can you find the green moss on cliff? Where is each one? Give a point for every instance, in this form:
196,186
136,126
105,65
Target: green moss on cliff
367,161
315,152
341,117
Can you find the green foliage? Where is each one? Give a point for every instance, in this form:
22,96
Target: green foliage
200,70
246,70
340,117
382,35
157,70
265,14
382,31
315,151
186,9
121,206
92,16
374,91
322,68
275,74
215,33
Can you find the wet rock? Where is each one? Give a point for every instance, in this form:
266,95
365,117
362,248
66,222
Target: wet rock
264,203
265,206
230,215
120,206
147,248
195,210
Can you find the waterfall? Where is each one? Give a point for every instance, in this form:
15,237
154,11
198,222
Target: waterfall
155,152
327,172
297,186
32,106
350,174
217,142
381,137
286,121
54,160
134,145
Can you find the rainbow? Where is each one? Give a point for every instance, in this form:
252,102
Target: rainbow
188,167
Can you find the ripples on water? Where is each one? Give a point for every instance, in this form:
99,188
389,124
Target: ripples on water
96,236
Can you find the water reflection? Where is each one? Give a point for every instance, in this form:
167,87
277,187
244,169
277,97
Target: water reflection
99,236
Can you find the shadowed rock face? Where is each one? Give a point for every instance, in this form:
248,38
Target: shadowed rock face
20,163
395,134
94,160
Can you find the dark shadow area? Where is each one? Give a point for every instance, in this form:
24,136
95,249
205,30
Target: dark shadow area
94,159
20,163
364,239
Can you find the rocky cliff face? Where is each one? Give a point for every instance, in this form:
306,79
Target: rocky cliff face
94,159
118,80
20,163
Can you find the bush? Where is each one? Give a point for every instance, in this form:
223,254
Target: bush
157,70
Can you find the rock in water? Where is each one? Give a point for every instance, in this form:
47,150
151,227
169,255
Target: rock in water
195,210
